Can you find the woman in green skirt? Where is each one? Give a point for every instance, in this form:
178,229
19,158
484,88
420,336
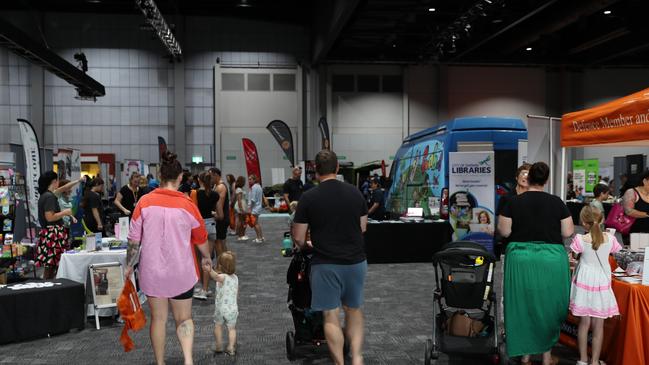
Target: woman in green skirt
537,274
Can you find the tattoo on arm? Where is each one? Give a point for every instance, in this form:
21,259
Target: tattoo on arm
133,253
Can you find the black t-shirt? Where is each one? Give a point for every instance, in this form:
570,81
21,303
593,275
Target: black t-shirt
128,198
93,201
143,191
206,203
48,202
294,188
376,196
536,216
333,210
504,200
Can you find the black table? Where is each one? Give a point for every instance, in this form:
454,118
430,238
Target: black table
575,209
405,242
34,313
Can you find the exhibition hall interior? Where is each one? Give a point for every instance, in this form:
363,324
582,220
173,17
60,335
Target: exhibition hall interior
324,182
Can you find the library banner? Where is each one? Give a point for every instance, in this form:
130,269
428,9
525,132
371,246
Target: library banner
472,195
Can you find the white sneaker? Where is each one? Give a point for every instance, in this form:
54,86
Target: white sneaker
209,293
242,238
258,240
197,289
202,295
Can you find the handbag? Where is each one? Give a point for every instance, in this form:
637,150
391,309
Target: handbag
618,220
131,312
460,324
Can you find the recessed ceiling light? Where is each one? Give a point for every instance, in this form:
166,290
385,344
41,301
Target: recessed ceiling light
528,48
607,12
394,46
431,9
93,1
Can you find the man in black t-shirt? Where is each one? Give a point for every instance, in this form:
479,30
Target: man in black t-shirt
376,207
336,214
293,187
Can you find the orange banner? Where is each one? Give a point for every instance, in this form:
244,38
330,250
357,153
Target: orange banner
623,120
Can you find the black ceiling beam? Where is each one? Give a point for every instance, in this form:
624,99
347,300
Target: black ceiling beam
625,52
331,17
567,14
620,32
20,43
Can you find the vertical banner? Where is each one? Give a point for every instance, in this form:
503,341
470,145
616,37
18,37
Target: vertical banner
162,147
32,166
584,175
284,137
471,188
252,158
324,131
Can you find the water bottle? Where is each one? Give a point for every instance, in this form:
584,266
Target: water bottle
287,244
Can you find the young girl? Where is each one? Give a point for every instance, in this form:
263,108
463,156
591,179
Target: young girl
591,296
225,309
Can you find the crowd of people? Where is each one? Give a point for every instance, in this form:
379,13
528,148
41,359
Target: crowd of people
330,221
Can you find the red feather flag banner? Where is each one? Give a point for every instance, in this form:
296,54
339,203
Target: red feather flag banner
252,158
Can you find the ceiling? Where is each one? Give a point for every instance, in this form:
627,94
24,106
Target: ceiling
528,32
568,32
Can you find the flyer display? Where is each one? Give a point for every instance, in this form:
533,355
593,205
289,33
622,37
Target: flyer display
471,187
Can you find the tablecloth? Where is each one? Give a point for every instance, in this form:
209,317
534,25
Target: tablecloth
626,338
387,242
74,266
33,313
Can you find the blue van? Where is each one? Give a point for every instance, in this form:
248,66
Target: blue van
420,166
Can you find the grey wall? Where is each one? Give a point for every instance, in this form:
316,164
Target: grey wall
140,102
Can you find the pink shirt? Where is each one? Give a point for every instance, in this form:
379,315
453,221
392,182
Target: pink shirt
168,225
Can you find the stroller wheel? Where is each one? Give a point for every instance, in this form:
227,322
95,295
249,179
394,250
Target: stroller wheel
428,353
290,346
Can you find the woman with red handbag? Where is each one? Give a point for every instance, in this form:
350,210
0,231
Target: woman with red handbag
636,204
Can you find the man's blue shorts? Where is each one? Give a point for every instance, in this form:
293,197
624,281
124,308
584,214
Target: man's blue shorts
333,285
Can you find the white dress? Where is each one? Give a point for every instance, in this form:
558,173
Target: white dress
590,293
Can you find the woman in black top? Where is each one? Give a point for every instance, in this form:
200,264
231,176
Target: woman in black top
636,204
93,209
537,274
52,237
127,195
206,200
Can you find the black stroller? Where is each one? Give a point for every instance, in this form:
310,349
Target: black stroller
308,324
467,273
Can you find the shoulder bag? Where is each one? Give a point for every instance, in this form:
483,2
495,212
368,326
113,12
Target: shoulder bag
618,220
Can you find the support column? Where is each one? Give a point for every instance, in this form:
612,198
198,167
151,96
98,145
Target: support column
217,150
36,99
180,140
405,103
301,115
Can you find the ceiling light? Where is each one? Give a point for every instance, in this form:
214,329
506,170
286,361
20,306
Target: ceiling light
607,12
528,48
244,4
431,9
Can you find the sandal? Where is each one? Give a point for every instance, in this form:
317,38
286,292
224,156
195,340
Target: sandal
230,352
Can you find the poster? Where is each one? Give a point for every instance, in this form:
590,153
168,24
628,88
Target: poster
32,167
419,175
131,166
107,283
584,175
471,202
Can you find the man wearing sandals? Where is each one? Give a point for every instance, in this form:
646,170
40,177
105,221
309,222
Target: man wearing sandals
336,214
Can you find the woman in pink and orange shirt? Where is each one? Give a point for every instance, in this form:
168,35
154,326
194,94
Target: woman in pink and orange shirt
165,226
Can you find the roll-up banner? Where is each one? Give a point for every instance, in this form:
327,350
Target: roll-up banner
284,137
162,147
252,158
32,166
324,131
584,174
471,188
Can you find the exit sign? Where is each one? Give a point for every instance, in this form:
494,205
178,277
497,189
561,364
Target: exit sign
197,159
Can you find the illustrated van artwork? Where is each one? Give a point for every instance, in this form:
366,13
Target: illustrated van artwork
420,172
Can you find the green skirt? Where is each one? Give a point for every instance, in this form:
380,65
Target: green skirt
537,293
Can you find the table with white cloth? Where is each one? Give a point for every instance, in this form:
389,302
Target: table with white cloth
74,266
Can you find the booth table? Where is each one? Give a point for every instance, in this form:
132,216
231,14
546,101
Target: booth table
626,338
74,266
38,312
398,242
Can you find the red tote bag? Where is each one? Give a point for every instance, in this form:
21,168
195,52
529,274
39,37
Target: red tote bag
618,220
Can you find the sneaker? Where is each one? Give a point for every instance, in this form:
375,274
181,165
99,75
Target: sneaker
209,293
197,289
202,295
258,240
242,238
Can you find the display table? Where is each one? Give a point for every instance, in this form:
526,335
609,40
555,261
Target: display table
39,312
626,337
396,242
74,266
575,209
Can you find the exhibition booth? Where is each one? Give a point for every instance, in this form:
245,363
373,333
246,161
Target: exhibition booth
622,122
